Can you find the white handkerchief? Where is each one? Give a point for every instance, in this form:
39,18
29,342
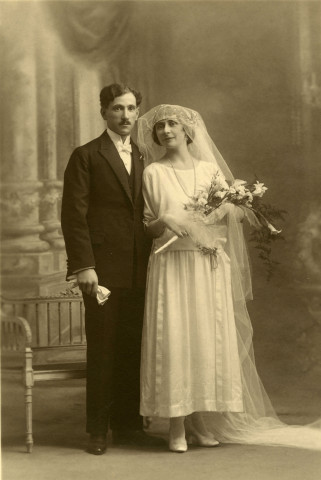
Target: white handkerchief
102,293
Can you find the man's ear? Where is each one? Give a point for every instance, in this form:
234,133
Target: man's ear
102,112
137,113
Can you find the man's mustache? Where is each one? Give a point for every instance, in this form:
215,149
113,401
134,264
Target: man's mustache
125,122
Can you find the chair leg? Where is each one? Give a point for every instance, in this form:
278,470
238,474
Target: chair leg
29,381
28,403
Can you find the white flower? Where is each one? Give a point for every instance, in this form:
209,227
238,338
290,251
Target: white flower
239,197
237,183
220,194
202,201
219,179
203,195
259,189
248,198
240,189
232,190
273,230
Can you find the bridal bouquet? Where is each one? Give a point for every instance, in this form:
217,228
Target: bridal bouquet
214,201
240,193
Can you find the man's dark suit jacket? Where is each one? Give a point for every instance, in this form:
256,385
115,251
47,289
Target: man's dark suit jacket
101,221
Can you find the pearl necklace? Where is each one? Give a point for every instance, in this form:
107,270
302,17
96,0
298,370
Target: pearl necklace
178,180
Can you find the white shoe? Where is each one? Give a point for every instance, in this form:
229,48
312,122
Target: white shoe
178,445
177,440
201,437
196,438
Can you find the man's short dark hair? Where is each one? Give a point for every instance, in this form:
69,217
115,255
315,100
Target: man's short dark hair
109,93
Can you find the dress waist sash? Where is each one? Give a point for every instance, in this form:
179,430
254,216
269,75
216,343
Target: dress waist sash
216,236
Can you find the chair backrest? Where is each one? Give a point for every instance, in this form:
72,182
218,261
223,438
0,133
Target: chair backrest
56,326
15,333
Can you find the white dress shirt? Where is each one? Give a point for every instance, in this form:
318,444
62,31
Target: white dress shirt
124,148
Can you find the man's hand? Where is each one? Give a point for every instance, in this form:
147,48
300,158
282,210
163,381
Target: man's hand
88,281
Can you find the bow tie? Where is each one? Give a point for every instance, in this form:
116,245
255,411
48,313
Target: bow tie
121,147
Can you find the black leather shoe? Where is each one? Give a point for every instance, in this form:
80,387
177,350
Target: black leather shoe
136,437
97,444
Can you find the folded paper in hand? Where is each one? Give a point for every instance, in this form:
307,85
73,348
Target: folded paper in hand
170,241
102,292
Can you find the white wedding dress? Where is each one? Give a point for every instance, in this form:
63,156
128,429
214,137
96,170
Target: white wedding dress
190,359
197,353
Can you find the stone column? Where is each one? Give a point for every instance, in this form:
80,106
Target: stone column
28,259
47,130
309,229
309,24
21,244
87,118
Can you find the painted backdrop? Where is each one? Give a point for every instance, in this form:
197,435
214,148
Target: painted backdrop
252,69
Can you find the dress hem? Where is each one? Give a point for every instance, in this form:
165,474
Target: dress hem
233,407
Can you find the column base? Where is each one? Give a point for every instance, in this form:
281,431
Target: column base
33,274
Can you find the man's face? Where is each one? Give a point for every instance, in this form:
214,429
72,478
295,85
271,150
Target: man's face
121,114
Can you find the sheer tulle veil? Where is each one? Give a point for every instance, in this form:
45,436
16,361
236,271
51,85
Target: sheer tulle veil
258,422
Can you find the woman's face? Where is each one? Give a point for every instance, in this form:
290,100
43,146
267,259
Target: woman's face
170,133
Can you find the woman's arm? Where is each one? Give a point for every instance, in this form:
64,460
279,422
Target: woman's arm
155,224
155,228
226,210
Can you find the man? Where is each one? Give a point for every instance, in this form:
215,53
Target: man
102,223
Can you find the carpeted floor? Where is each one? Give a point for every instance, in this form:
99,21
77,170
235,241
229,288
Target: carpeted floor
59,418
60,441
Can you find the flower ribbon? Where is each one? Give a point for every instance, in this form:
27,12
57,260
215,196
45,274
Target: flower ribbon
212,252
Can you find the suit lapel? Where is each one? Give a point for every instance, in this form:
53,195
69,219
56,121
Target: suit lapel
138,166
110,153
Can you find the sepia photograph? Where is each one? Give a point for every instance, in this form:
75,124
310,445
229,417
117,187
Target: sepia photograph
160,239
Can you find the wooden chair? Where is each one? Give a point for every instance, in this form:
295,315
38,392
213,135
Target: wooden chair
50,333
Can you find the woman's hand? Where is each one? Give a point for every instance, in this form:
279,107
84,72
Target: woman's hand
224,210
173,224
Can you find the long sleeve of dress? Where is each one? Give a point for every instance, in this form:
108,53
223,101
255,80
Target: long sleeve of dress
150,209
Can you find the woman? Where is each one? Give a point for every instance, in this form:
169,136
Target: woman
197,361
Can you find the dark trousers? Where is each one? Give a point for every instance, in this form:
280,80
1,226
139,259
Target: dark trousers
113,334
